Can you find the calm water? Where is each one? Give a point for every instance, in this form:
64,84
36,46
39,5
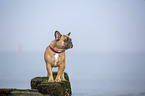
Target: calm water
97,74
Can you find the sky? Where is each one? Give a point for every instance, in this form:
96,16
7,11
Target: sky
95,25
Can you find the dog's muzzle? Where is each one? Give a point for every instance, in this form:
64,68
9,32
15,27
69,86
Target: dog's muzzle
69,45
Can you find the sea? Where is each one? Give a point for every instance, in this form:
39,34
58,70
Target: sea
90,74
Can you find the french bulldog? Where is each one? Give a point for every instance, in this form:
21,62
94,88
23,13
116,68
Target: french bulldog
55,55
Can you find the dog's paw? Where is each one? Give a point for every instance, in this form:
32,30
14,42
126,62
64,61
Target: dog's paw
63,79
57,80
50,80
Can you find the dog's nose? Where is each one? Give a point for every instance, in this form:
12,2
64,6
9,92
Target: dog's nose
72,46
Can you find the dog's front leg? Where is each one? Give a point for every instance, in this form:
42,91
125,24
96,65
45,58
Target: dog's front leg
49,70
60,71
62,77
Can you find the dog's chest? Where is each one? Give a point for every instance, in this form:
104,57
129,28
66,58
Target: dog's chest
56,59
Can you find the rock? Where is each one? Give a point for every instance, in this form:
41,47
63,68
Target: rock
5,92
19,92
36,81
66,88
52,88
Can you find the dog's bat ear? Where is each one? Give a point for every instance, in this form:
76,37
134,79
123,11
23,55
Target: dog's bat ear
68,33
57,35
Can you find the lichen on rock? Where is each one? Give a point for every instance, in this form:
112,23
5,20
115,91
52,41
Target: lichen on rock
52,88
20,92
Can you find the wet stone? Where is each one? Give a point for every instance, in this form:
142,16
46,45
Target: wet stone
52,88
19,92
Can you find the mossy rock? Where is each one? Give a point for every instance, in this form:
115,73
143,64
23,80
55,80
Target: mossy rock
52,88
19,92
66,88
38,80
5,92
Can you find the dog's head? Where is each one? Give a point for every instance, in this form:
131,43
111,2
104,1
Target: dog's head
63,41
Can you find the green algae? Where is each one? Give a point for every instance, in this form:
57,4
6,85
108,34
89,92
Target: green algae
62,88
19,92
53,89
41,87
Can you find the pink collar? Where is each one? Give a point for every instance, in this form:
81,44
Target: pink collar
54,50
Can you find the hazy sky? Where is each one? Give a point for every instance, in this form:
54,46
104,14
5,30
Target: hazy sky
96,25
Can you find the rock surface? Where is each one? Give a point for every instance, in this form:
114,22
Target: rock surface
52,88
41,87
20,92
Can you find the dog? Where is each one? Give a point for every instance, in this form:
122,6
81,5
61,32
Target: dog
55,55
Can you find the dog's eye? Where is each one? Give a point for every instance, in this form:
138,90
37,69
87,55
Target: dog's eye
65,40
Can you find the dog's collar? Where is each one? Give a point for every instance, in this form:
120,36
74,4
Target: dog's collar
55,51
